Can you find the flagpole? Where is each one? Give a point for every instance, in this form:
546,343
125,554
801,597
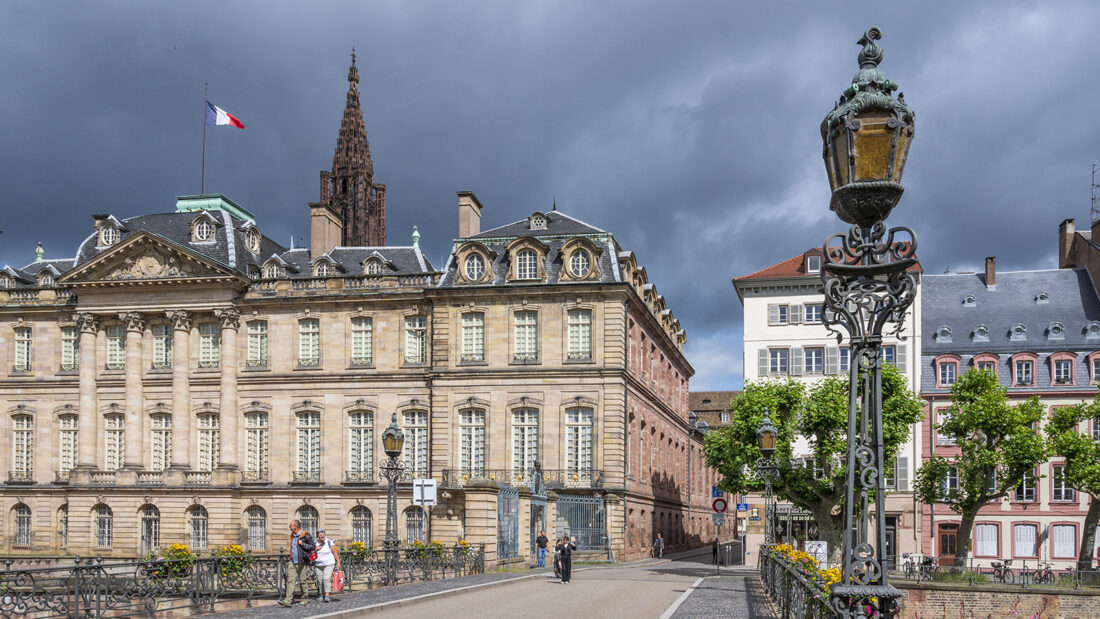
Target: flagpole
202,186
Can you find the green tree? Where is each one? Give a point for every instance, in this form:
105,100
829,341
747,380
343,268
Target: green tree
819,414
1082,461
997,445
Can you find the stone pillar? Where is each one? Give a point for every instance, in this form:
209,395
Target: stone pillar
524,540
87,443
181,395
135,326
481,518
552,514
231,320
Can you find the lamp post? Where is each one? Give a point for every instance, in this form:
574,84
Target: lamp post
393,439
868,291
765,439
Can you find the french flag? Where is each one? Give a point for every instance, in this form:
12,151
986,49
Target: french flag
217,116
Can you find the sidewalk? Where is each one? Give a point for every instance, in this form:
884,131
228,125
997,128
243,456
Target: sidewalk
736,594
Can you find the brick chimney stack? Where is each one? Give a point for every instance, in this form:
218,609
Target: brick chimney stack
326,228
1066,230
991,272
469,214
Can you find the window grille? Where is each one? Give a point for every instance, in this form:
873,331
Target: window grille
580,334
416,328
257,343
104,526
361,525
525,439
472,433
309,444
362,340
116,347
256,445
68,428
361,438
414,524
580,263
578,430
161,443
150,529
527,264
526,331
70,349
199,527
416,442
22,525
473,336
309,342
114,441
257,528
209,441
209,345
22,349
309,518
162,346
23,446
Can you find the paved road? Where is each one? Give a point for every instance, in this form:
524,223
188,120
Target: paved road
629,592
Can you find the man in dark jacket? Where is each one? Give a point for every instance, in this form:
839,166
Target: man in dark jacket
540,544
567,547
301,545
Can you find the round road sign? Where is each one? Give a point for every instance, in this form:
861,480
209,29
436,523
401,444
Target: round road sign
719,505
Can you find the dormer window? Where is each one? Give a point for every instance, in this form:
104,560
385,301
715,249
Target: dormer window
1092,330
538,222
108,235
943,334
273,270
1042,298
580,263
813,264
6,281
474,267
981,333
204,230
527,261
45,279
968,301
252,240
1055,331
1018,333
322,268
373,267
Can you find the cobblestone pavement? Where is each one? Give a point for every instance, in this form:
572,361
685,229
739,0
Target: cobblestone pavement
737,595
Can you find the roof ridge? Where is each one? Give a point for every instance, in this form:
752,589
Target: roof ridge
772,266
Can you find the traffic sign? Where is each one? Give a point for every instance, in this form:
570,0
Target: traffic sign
719,505
742,507
424,492
715,492
718,519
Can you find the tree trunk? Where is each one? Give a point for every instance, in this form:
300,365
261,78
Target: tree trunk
965,529
829,529
1084,557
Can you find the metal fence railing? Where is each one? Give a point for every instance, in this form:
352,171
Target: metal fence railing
794,595
1013,572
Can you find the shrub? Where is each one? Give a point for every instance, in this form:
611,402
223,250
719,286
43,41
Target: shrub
172,562
232,559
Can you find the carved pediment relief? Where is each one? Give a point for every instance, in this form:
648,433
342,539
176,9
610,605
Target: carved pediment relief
142,258
152,264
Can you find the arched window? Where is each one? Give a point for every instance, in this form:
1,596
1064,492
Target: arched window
414,524
200,520
108,235
360,525
373,267
273,270
103,525
527,264
321,268
252,240
257,527
22,516
580,263
150,528
63,524
23,447
475,267
309,518
204,230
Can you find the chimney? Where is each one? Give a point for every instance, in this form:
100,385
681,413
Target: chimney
991,272
469,214
1066,231
325,228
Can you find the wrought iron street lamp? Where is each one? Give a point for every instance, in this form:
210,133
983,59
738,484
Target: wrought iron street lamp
868,291
765,440
393,439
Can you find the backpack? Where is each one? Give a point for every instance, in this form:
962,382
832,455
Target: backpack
308,545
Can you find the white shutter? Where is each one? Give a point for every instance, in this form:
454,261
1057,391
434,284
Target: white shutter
902,477
796,361
795,316
901,361
1024,535
832,359
985,538
773,315
1064,537
762,362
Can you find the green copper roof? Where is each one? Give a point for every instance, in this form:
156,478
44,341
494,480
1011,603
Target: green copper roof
212,202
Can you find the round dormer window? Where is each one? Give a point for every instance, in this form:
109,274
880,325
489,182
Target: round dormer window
1093,329
203,231
1056,329
108,236
580,263
538,222
475,267
252,240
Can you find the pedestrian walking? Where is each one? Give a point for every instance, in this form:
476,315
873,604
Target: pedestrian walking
328,560
714,552
540,549
301,546
659,547
557,558
567,548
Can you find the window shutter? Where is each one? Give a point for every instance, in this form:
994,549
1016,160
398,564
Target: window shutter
796,361
762,362
832,359
901,361
986,538
1063,535
796,314
902,478
1025,540
773,315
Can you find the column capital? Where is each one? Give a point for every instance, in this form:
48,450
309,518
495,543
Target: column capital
87,322
181,319
229,316
134,321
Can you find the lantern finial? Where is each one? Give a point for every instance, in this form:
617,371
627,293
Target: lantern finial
871,54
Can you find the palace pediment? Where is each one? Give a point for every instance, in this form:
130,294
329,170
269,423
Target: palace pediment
148,259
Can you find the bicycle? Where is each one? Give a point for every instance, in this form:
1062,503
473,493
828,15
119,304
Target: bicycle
1044,574
1002,572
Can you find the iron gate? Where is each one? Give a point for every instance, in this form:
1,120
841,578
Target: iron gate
582,517
508,523
538,506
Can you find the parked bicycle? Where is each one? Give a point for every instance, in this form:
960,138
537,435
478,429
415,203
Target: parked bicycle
1002,571
1044,574
918,568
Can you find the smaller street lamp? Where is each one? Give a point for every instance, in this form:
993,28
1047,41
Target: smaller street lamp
765,439
393,439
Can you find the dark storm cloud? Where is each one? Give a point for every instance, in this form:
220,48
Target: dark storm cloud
688,129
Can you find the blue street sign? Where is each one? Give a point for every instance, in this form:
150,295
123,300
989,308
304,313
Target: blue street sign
742,507
715,492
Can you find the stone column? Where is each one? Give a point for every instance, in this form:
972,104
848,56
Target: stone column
181,394
231,320
87,443
135,326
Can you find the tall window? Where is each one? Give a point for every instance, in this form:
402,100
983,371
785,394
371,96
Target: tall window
360,525
844,358
1061,490
257,527
951,482
209,441
472,434
150,528
1023,372
310,518
23,446
416,442
944,437
416,336
985,538
473,336
162,346
777,360
67,427
1026,490
1064,537
22,349
257,344
414,524
114,441
527,264
210,341
525,439
362,340
70,349
1024,539
948,372
104,526
200,520
116,347
309,446
580,334
578,432
63,524
361,447
161,443
1063,372
527,335
888,354
814,360
309,342
22,515
256,438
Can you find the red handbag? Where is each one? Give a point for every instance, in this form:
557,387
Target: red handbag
338,581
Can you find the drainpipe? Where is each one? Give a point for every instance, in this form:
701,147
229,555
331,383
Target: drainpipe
931,452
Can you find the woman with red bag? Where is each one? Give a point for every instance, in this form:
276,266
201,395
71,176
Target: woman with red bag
327,560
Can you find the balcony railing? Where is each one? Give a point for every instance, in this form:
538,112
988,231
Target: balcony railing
359,477
150,478
106,478
307,477
20,477
255,477
551,478
197,478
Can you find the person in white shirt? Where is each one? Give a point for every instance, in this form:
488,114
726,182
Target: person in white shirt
327,560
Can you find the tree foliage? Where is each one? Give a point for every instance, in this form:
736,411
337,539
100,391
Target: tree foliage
997,446
1068,437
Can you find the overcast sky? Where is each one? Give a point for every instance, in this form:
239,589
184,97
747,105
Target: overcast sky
688,129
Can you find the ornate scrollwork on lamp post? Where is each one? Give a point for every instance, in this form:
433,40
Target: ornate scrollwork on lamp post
393,439
868,291
766,468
